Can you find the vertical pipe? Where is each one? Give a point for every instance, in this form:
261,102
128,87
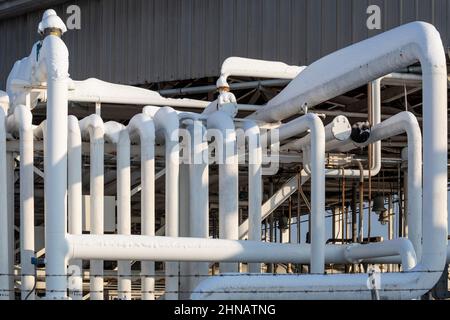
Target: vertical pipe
57,63
74,202
254,186
354,222
184,226
198,196
11,179
123,210
4,236
23,119
228,179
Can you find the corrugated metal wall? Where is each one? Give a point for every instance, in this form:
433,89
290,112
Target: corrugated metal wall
137,41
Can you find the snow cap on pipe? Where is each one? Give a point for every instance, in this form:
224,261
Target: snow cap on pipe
50,20
222,82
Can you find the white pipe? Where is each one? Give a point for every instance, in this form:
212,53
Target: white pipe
55,56
92,128
353,66
401,246
21,121
339,129
314,124
122,247
198,195
245,67
4,234
166,121
75,220
254,185
226,150
116,133
10,166
141,128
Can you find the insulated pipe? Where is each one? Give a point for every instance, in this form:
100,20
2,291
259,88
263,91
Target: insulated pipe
4,234
92,128
226,154
21,121
254,185
245,67
123,247
339,129
116,133
55,56
75,219
167,124
401,246
198,195
384,53
142,129
314,124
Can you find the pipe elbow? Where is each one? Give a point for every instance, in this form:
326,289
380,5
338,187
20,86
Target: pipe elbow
142,126
92,127
21,119
112,131
166,119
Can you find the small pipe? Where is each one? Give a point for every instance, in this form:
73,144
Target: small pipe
142,129
116,133
226,154
92,128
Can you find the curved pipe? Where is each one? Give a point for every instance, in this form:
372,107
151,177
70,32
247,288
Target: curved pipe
166,121
253,134
314,124
116,133
142,129
226,150
384,53
21,121
74,200
92,129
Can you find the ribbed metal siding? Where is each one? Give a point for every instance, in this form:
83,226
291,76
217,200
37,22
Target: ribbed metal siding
138,41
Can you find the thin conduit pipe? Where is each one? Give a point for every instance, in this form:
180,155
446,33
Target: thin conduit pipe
116,133
254,185
314,124
92,128
75,220
21,121
142,129
394,49
166,121
4,235
226,150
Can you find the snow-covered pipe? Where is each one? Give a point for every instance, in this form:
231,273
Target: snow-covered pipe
74,199
117,134
252,133
313,123
198,195
142,129
401,246
4,234
245,67
122,247
339,129
226,153
21,121
55,57
167,124
92,128
394,49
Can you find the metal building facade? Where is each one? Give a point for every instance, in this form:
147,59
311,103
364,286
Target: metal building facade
139,41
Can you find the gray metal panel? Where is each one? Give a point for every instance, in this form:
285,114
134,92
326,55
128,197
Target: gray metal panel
138,41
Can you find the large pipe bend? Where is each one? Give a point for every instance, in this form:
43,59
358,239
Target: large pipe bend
21,121
167,125
92,129
226,150
314,124
141,128
387,52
